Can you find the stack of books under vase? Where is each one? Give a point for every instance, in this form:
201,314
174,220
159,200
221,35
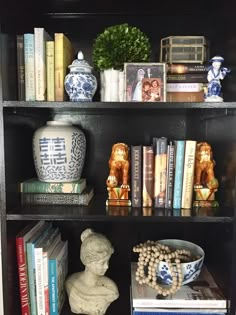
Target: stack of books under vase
199,297
35,192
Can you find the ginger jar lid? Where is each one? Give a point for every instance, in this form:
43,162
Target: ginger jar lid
80,65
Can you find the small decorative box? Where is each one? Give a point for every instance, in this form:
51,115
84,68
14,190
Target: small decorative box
184,49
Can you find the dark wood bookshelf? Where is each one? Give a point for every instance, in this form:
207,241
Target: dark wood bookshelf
107,123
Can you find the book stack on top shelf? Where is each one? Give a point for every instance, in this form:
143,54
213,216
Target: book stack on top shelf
35,192
199,297
185,56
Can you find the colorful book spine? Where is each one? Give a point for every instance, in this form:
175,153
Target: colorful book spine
29,67
20,67
160,166
148,171
170,175
31,265
179,167
82,199
188,175
21,240
180,68
187,78
58,268
33,185
136,176
50,63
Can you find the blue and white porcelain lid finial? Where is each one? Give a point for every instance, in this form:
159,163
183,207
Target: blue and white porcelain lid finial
79,64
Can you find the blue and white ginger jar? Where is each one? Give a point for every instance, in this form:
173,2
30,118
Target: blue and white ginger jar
59,152
80,83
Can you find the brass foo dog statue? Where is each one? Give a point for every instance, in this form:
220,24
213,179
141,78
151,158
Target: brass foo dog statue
205,183
118,179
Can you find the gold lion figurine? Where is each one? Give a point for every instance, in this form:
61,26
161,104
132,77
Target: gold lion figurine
118,178
205,183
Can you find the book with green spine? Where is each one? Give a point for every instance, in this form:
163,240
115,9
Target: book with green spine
33,185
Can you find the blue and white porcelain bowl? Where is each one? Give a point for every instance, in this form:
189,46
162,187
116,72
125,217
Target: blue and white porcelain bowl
190,270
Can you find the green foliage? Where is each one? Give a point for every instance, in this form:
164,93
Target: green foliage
119,44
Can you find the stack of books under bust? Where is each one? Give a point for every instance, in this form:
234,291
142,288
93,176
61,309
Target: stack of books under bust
199,297
35,192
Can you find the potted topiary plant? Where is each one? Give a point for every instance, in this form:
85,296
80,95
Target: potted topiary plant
112,48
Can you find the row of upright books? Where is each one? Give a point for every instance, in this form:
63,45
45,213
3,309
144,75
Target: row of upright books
162,174
42,258
42,63
186,82
199,297
35,192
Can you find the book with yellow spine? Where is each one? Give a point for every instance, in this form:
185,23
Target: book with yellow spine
50,62
64,54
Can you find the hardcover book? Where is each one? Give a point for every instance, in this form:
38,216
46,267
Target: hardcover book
50,70
33,185
21,240
20,67
29,54
188,173
58,268
40,38
41,251
170,175
136,176
180,68
185,87
187,78
160,168
82,199
31,264
148,171
64,54
179,169
200,293
185,97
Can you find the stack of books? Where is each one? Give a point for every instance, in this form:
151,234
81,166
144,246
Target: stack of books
200,297
42,64
186,82
162,174
35,192
42,258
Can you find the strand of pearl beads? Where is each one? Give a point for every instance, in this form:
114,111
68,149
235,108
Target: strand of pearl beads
151,253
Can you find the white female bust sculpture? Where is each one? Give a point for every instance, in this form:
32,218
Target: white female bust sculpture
89,291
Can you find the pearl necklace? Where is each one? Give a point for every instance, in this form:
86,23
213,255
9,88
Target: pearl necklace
150,255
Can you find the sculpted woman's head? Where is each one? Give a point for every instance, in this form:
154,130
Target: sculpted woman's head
95,251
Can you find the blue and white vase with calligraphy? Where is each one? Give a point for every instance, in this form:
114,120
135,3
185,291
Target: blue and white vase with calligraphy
80,83
59,152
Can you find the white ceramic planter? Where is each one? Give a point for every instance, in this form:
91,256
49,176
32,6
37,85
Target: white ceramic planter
59,152
112,85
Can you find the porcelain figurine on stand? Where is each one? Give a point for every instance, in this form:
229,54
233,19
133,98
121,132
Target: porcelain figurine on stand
205,183
215,74
118,180
80,83
89,291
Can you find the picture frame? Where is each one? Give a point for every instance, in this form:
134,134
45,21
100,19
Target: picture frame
145,82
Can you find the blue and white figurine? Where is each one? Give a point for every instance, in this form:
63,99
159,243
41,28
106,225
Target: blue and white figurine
80,83
216,73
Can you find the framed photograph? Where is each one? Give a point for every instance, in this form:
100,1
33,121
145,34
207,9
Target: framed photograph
145,82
